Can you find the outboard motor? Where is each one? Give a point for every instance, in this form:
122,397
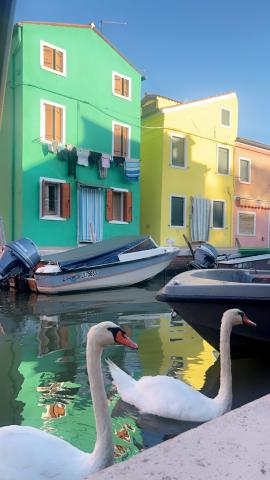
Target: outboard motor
204,256
18,257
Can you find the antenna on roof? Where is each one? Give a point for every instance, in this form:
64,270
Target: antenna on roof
102,22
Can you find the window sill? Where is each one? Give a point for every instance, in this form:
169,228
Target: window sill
178,166
52,217
245,183
121,96
177,226
120,222
246,234
62,74
223,174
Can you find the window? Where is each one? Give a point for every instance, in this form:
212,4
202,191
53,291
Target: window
54,199
218,214
118,206
177,211
225,117
178,151
121,136
246,223
53,58
52,122
223,160
121,86
244,170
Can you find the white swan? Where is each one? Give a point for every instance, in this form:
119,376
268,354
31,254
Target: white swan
27,453
172,398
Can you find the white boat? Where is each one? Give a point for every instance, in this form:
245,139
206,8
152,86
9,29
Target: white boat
118,262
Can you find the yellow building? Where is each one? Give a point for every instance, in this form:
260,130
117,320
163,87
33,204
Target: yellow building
187,170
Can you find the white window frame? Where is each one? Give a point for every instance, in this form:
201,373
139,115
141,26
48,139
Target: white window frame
249,170
42,120
172,134
62,50
120,222
114,74
184,211
49,217
228,110
224,214
114,122
238,223
220,145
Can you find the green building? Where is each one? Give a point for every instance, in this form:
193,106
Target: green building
70,137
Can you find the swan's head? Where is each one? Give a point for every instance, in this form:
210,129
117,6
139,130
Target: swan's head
235,316
108,333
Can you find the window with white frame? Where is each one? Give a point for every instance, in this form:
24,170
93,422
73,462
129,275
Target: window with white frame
52,122
177,212
53,58
178,151
247,223
223,160
54,199
121,86
225,117
218,214
244,170
118,205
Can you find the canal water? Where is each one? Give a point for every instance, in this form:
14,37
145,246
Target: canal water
43,378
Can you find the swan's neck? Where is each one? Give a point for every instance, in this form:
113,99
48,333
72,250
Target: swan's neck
103,451
224,396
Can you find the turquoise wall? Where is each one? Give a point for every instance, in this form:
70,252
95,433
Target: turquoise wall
86,93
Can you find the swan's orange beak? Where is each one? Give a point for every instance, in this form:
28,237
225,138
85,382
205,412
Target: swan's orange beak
124,340
248,322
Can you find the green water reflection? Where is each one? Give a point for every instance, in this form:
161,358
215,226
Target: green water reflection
43,376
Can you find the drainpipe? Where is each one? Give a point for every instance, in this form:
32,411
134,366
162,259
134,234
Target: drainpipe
13,169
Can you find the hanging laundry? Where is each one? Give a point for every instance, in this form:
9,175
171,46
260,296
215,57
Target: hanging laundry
53,147
105,160
72,162
132,168
83,155
102,172
119,161
93,158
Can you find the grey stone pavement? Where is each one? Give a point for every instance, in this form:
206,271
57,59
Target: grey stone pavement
235,446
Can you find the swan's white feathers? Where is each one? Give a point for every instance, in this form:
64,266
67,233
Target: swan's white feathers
164,396
35,454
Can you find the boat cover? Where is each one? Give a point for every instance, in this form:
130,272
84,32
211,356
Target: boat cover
99,253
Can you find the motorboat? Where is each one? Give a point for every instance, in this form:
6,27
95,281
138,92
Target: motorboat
117,262
206,255
201,296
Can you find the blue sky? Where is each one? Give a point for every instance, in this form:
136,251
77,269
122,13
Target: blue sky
187,49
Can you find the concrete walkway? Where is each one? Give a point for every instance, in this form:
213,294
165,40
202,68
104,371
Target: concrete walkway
235,446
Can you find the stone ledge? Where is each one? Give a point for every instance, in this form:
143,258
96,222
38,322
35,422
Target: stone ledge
235,446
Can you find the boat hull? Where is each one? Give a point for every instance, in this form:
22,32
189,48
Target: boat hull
201,299
100,277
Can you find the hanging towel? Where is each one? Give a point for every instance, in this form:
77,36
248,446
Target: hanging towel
105,160
83,155
132,168
102,172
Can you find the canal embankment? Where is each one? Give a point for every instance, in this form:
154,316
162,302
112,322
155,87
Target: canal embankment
233,447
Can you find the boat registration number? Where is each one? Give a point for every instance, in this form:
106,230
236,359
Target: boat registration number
74,277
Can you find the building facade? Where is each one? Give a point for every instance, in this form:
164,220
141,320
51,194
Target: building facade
187,169
252,193
70,139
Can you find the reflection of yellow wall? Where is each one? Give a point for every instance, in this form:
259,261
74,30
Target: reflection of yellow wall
199,122
184,352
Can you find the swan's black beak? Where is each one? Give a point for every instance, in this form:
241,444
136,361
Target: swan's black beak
123,339
247,321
